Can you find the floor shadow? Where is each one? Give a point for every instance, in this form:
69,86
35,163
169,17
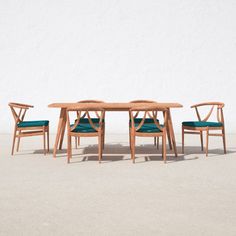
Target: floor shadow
124,149
117,152
105,159
197,150
41,151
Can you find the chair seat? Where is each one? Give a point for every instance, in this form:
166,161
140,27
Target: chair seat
36,123
86,120
202,124
147,120
148,128
84,128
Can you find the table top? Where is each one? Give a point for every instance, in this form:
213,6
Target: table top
114,106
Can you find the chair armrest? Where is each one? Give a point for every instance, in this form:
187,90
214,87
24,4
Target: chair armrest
208,103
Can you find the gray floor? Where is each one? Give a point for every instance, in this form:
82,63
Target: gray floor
190,195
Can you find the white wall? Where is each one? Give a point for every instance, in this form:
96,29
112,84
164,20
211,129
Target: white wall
177,51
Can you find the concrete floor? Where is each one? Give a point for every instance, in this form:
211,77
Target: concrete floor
190,195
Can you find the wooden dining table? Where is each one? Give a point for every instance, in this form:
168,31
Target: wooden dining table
111,106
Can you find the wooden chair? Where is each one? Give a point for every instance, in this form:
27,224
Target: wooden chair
138,120
152,129
198,127
82,129
28,128
94,119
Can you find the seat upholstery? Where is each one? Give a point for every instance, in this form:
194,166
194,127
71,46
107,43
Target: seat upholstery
86,120
36,123
148,128
147,120
202,124
84,128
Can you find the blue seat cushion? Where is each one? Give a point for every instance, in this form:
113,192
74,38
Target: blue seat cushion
86,120
147,120
202,124
148,128
36,123
84,128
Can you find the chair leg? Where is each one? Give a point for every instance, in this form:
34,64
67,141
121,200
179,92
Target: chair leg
224,141
76,143
13,143
201,137
133,147
130,139
99,148
44,142
78,140
169,139
18,144
103,137
68,148
164,147
207,141
182,139
156,142
48,139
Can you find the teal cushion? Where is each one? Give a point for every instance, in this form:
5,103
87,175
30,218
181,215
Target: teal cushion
147,120
86,120
84,128
148,128
202,124
36,123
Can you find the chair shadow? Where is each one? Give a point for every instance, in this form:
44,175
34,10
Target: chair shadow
118,152
105,159
188,150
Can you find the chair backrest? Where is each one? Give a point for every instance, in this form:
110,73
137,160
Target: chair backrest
19,110
148,112
90,101
85,113
141,101
213,105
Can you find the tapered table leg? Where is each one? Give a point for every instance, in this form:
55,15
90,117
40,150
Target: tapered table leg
62,132
172,134
61,126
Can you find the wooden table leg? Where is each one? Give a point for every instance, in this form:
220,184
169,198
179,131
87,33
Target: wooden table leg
169,138
62,132
172,134
62,120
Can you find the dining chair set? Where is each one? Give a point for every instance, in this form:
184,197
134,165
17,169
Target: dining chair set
146,119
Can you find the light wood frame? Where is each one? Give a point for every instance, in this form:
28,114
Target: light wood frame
199,130
156,139
77,138
99,129
151,113
19,110
108,107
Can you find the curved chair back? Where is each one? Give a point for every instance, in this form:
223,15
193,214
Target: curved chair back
90,101
213,105
19,110
149,112
141,101
85,113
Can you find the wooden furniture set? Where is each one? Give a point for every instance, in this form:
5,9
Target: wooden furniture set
144,121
